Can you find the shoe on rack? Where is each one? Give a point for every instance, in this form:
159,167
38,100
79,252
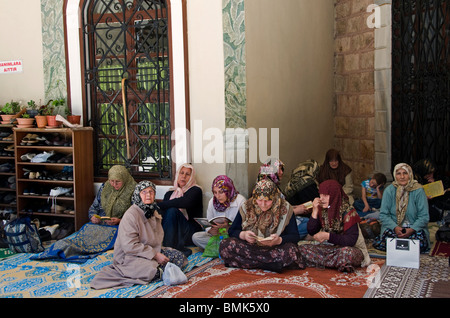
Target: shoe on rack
42,157
59,191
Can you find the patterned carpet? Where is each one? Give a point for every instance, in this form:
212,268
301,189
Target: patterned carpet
431,280
214,280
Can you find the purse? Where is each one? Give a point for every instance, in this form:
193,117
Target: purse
173,275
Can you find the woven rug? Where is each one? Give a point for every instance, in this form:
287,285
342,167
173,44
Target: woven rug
440,249
214,280
431,280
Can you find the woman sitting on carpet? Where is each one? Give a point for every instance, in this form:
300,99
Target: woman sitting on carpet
334,221
225,203
404,210
139,257
179,207
264,233
114,196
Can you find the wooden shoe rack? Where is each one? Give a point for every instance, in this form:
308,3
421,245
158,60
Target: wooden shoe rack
35,180
7,172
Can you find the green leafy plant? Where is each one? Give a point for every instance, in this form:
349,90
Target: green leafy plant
32,104
11,108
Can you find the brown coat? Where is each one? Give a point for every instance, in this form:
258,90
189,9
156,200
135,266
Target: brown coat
138,241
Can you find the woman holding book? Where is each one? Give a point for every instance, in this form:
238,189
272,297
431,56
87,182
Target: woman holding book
404,210
223,207
426,172
139,256
264,233
181,204
334,226
113,198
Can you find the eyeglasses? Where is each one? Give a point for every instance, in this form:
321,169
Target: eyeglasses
147,191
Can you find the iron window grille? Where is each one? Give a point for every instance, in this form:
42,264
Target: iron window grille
127,58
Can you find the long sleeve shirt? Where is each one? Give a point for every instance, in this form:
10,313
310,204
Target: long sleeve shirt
347,238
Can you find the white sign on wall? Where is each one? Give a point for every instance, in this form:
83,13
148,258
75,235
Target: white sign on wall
9,67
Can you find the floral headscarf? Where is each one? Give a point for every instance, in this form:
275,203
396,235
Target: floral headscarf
148,209
225,184
340,215
402,194
271,221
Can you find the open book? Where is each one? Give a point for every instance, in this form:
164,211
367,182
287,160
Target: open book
204,222
434,189
308,205
102,217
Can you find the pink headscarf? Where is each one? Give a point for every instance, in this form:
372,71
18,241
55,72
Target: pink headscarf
178,192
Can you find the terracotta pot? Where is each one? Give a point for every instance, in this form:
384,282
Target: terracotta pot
25,121
74,119
52,122
41,121
7,117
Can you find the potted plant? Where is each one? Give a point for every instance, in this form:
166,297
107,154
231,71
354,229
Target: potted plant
51,117
10,110
25,121
41,118
32,109
73,119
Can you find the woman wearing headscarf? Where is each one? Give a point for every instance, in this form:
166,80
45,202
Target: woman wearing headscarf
181,204
139,256
425,172
334,221
114,196
225,203
264,233
334,168
404,210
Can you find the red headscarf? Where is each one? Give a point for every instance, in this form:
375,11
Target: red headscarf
340,215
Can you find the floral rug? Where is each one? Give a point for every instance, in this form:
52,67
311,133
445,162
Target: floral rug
214,280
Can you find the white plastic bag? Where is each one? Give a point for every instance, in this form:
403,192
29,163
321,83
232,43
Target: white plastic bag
403,252
173,275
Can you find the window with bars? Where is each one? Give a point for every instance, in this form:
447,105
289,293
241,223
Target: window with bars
127,78
421,81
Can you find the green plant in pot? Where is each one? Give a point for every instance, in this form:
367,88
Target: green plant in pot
32,109
26,121
9,111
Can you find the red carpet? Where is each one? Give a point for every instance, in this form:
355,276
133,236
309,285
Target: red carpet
441,249
214,280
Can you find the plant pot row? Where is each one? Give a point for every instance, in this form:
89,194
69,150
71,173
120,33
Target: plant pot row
43,121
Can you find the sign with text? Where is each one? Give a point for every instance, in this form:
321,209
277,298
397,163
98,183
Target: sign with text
9,67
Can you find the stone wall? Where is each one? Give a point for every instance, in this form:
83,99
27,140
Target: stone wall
355,87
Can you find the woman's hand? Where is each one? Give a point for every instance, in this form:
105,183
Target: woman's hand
316,207
321,237
95,220
299,209
248,236
161,258
275,240
113,221
404,232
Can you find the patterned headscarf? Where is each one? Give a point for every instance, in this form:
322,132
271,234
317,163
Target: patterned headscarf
402,194
265,223
225,184
270,170
116,202
335,218
148,209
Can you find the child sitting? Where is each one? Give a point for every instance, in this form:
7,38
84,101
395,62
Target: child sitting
371,194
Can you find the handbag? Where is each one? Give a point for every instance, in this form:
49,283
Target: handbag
403,252
22,236
173,275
